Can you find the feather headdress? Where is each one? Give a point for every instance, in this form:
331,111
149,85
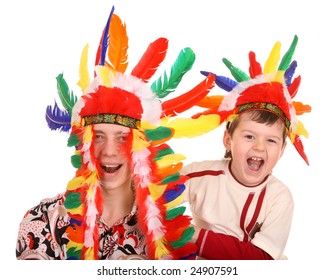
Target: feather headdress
118,98
270,89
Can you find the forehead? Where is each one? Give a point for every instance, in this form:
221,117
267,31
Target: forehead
247,118
110,128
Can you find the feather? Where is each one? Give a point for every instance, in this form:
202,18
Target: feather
151,59
255,67
237,73
103,45
188,127
158,134
286,60
186,237
300,108
169,159
164,85
57,119
300,148
271,63
66,96
189,99
117,51
290,72
84,78
173,213
163,150
293,88
186,252
221,81
209,102
73,140
171,195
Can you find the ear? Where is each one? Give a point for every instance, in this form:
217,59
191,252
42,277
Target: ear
283,149
226,140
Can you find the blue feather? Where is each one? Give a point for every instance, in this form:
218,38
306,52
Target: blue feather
223,82
105,40
171,195
57,118
290,72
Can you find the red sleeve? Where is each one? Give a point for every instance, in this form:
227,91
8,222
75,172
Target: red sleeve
219,246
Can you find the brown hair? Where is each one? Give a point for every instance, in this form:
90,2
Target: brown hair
259,116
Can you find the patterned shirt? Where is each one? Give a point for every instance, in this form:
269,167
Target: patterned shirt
42,234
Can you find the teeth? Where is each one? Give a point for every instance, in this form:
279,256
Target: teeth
256,158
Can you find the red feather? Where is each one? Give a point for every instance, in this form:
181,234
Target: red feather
189,99
255,68
300,148
151,59
293,88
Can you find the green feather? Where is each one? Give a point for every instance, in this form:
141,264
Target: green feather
286,60
73,140
76,161
164,152
175,212
186,237
73,253
66,96
158,133
165,85
237,73
171,178
72,200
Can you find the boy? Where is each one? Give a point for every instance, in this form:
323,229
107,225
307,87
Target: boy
240,210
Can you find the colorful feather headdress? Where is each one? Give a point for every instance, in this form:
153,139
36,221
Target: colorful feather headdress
270,89
118,98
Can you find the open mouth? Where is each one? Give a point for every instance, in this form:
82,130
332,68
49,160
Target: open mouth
111,168
255,163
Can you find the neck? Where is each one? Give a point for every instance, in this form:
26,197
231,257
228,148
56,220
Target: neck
117,204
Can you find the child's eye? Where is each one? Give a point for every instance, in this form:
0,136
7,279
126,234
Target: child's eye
249,137
272,141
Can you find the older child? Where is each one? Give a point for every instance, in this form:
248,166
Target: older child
240,210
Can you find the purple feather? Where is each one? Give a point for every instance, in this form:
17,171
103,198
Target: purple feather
105,39
223,82
290,72
57,118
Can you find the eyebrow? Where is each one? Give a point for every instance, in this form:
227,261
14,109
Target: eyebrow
268,136
114,133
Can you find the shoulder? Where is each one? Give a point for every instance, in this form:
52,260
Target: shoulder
207,167
46,205
278,190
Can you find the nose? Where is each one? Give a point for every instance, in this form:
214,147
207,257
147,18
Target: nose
259,145
110,148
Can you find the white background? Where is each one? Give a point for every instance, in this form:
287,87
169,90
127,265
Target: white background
40,39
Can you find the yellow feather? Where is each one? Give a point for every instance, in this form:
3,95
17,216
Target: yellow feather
76,211
279,77
188,127
89,254
167,160
174,203
161,249
139,140
301,130
75,183
84,78
88,135
271,64
156,191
